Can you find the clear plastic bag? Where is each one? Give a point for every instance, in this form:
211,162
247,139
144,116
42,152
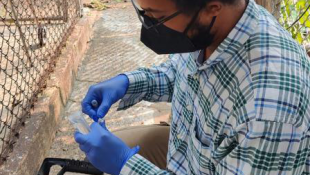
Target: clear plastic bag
79,122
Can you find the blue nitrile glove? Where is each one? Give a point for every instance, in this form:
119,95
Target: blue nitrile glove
104,150
106,94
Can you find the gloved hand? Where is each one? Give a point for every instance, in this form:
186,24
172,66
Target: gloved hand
106,94
104,150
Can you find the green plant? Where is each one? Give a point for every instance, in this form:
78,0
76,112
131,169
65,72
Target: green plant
2,12
295,17
98,5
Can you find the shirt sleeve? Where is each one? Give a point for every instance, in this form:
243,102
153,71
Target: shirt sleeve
267,148
137,165
153,84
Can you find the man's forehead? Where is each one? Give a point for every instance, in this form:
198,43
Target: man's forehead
156,5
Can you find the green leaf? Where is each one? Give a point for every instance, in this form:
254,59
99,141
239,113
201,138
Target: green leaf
2,12
304,18
299,38
290,12
287,8
301,4
307,24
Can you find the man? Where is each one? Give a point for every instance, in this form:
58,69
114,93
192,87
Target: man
239,88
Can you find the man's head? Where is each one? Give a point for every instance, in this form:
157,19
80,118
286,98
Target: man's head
190,7
209,8
196,15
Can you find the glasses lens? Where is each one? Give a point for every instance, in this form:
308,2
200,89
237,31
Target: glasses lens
135,3
139,10
146,21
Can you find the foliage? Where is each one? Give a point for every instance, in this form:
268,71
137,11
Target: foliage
2,11
102,4
296,11
96,4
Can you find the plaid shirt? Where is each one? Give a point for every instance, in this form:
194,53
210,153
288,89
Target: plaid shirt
244,111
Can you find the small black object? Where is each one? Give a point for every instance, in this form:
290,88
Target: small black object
94,103
74,166
42,35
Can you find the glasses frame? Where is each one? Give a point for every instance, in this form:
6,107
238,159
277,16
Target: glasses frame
160,22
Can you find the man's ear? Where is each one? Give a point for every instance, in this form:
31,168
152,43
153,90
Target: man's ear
213,8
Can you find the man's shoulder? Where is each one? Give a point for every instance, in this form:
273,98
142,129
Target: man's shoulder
280,73
280,81
269,33
270,47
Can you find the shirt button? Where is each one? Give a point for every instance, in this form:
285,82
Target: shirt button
188,107
179,136
196,76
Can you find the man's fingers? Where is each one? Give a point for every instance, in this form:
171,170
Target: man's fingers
102,124
103,108
95,127
89,110
136,149
85,148
80,138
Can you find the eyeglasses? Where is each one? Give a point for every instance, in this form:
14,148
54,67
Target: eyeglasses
142,16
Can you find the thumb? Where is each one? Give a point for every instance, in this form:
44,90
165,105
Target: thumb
103,108
136,149
96,127
80,138
132,152
88,109
102,124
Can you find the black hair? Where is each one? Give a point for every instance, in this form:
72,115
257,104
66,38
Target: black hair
191,6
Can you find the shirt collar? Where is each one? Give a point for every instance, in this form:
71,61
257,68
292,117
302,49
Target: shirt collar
236,38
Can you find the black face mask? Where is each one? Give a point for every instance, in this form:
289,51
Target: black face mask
163,40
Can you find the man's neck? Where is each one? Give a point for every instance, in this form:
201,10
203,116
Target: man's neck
229,18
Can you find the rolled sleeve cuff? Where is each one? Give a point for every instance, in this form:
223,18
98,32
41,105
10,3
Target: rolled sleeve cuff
138,86
139,165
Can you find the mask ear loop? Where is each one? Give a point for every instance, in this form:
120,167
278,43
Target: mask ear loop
212,23
191,22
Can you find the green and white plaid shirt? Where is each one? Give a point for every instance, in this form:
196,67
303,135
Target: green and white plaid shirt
244,111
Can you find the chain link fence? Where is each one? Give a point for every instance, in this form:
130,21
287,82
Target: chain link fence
32,33
295,17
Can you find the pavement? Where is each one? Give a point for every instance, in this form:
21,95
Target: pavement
114,48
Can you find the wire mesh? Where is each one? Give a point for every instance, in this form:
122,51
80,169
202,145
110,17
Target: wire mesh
295,17
32,33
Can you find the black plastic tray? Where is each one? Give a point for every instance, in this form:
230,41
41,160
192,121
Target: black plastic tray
67,165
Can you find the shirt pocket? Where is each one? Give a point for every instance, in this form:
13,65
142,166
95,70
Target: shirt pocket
180,126
201,136
201,150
